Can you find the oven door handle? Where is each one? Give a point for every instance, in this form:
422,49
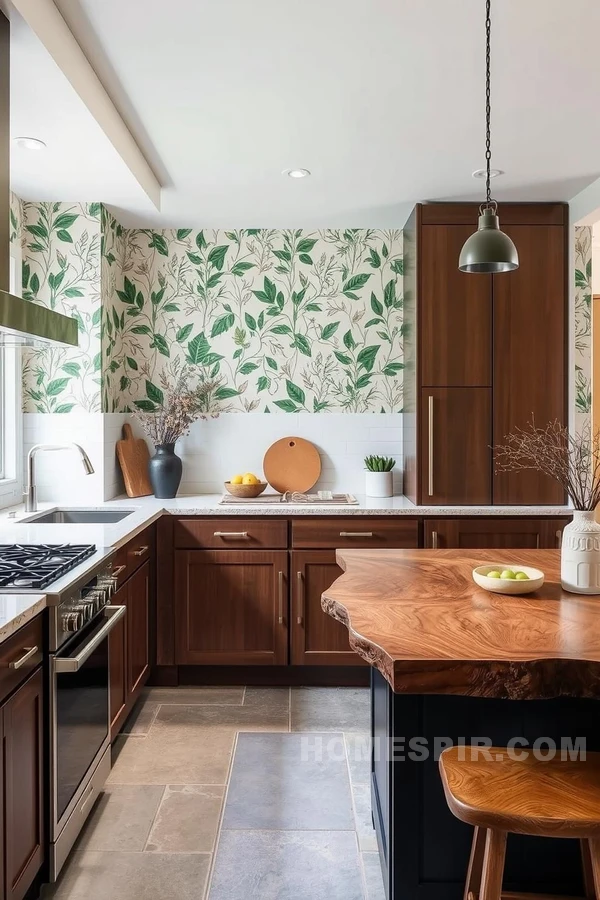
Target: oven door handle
74,663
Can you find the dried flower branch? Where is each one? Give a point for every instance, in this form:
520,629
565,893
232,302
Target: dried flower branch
181,405
571,460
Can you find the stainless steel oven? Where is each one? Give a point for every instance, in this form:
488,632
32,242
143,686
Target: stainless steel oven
79,751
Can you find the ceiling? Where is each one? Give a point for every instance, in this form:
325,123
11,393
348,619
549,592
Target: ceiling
382,101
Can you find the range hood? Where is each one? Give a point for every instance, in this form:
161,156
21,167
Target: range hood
26,322
21,321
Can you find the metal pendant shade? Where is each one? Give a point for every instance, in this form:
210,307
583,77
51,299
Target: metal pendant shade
489,250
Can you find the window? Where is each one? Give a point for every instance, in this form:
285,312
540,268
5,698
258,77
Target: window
11,434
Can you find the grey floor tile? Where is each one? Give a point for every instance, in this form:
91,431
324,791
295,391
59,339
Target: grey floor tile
358,752
290,865
122,817
205,696
289,781
331,709
141,717
272,699
373,877
91,875
361,796
238,718
187,819
181,756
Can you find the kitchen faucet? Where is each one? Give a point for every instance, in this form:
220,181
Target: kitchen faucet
31,495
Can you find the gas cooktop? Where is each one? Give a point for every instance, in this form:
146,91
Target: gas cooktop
35,566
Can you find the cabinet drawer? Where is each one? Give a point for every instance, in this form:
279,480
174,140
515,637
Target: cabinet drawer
355,532
15,648
132,555
231,534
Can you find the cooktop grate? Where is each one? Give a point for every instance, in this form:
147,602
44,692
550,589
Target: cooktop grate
36,566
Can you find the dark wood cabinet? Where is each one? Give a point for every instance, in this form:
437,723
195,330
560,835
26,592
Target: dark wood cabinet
22,723
530,376
455,324
129,642
231,607
315,638
472,533
456,430
506,333
117,650
138,622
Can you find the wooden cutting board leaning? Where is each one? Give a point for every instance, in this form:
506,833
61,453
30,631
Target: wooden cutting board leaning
292,464
133,456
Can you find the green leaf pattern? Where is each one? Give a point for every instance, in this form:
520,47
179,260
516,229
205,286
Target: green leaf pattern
283,318
60,245
583,324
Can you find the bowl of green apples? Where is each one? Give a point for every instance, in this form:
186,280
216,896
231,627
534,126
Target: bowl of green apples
505,578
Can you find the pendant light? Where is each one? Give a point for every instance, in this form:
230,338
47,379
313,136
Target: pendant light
489,250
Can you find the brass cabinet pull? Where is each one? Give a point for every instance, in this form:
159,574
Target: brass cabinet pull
233,534
140,551
434,540
356,534
537,541
300,599
29,653
118,571
559,538
280,577
430,489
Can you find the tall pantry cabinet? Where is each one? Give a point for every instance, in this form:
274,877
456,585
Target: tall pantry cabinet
484,353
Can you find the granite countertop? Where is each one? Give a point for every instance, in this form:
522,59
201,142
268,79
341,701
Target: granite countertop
147,509
418,617
18,609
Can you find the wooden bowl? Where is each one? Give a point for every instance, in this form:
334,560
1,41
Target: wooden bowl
508,585
245,491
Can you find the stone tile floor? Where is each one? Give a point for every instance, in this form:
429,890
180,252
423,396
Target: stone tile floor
234,794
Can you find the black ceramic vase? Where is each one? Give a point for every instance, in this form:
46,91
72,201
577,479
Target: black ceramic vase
165,471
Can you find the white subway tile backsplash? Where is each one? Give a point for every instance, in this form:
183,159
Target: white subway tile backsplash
214,450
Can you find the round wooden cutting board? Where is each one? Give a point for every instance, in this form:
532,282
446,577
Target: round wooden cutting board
292,464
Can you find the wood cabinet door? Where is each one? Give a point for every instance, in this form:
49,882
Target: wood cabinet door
117,650
456,432
455,313
23,786
490,533
530,375
316,638
231,607
138,628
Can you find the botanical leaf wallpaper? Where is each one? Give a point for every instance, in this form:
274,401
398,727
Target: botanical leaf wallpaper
583,323
286,321
61,270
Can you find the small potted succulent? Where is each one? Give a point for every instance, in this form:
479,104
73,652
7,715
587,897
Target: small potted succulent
378,476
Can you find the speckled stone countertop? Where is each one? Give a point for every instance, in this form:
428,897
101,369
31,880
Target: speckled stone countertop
18,609
146,510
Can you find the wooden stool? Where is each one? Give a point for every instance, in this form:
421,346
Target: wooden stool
497,795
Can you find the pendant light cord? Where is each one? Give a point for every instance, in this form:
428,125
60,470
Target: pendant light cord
488,103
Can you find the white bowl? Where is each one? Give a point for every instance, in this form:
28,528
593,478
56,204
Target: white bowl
508,585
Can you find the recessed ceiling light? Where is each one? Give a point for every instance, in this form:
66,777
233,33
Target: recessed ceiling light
29,143
296,173
481,173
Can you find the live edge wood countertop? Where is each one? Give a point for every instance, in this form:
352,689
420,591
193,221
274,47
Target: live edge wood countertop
418,617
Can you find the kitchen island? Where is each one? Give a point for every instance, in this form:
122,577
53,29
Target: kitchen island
453,663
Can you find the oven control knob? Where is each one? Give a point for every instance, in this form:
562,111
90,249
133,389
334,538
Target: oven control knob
94,600
107,584
71,621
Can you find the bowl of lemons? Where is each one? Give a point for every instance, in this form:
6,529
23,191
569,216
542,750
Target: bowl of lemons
508,579
245,486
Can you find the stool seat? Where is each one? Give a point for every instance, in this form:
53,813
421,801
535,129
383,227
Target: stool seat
551,798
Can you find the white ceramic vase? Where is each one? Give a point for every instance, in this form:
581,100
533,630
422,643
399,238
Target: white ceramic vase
580,554
379,484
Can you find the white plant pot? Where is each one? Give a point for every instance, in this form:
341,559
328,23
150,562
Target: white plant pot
580,554
379,484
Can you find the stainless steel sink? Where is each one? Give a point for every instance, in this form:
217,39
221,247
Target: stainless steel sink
78,516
